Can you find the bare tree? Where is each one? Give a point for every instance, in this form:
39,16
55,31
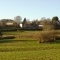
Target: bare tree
47,25
18,19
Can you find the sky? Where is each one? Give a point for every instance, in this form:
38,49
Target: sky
31,9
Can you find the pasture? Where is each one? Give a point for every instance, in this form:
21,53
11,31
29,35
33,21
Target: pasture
28,48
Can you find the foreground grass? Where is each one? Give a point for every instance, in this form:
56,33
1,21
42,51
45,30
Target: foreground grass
27,48
31,55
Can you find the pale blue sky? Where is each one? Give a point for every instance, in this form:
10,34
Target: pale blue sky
31,9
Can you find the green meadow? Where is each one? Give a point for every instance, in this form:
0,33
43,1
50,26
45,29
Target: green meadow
26,47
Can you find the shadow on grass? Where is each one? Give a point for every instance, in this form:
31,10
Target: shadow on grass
6,39
12,40
57,40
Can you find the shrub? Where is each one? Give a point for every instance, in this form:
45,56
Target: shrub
46,36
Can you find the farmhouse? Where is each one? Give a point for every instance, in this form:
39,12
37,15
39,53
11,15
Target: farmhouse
9,23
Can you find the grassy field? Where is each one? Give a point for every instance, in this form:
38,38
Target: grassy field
28,49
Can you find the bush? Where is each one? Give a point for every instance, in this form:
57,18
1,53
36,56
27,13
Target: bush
47,36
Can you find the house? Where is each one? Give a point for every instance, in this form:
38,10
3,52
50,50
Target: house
9,23
21,25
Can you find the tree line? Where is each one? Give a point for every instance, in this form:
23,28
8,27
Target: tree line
43,23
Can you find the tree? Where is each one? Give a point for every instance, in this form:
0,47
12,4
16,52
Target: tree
24,23
24,20
48,19
55,21
55,18
43,18
47,25
18,19
48,35
35,24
